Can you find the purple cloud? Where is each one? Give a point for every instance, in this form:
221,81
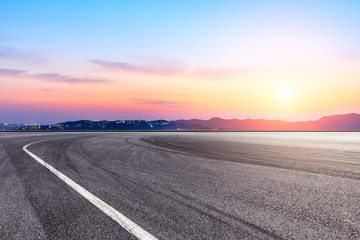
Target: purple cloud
50,77
169,104
11,72
54,77
162,67
155,66
47,89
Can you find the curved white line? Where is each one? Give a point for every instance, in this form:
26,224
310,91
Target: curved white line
125,222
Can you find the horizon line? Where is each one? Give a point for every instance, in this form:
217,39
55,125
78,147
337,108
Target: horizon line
162,119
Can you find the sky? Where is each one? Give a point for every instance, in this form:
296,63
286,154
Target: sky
68,60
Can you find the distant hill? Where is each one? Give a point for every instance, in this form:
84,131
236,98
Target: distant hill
335,122
115,125
341,122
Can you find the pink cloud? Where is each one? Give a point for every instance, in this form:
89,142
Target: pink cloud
175,68
156,66
169,104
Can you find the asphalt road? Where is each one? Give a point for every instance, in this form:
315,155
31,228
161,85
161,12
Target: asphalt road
248,185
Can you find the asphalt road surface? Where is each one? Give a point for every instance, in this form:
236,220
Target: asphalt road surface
189,185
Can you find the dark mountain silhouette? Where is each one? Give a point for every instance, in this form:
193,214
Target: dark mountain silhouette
114,125
335,122
344,122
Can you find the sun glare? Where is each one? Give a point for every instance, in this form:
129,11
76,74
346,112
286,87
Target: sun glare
284,92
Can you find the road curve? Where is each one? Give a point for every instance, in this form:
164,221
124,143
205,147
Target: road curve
182,185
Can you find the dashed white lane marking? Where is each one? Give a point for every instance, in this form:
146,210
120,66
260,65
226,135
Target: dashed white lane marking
125,222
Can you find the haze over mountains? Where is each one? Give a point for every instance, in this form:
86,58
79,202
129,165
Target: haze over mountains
334,122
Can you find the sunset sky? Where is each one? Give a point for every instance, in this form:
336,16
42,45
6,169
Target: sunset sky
70,60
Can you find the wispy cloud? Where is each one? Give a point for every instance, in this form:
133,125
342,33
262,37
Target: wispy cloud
51,77
156,102
47,90
55,77
169,104
153,66
219,73
11,72
175,106
175,68
13,54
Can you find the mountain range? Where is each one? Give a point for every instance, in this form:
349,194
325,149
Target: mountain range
334,122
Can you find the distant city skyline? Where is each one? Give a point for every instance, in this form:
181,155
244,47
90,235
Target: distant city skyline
66,60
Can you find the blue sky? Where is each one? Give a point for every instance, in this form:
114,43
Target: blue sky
175,29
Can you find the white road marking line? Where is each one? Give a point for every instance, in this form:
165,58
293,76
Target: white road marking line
125,222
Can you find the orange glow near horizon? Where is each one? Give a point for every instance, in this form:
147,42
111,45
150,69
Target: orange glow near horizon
171,97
